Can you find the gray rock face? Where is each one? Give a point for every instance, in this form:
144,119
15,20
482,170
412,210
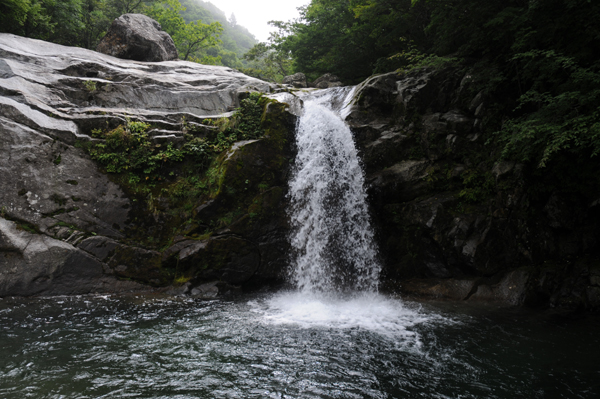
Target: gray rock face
49,183
35,264
297,80
64,92
138,37
64,224
53,96
454,220
326,81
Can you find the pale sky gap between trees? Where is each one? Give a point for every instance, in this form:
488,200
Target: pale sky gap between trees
254,15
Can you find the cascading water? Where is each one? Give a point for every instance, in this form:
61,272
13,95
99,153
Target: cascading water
332,239
299,344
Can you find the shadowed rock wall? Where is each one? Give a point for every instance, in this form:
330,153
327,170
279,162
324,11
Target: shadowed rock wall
455,220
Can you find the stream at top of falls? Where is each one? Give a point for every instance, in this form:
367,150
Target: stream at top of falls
334,336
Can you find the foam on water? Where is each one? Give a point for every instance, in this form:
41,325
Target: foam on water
372,312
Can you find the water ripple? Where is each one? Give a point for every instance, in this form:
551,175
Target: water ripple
285,346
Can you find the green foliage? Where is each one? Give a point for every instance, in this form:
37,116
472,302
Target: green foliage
25,17
235,39
563,115
249,117
271,61
412,58
128,150
196,36
348,37
201,31
190,37
90,85
477,186
535,59
244,124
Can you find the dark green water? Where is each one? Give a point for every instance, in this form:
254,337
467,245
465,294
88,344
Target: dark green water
289,346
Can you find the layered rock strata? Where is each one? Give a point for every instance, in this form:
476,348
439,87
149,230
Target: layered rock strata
69,227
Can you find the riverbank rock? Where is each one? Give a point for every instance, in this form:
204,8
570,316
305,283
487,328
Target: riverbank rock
297,80
326,81
93,228
455,220
35,264
138,37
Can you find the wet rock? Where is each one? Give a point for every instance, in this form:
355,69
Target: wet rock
34,264
448,209
181,290
511,289
297,80
138,37
57,183
54,97
101,247
402,181
226,258
137,263
326,81
206,291
64,92
451,289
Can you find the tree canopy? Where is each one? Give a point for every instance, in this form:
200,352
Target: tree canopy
201,31
538,59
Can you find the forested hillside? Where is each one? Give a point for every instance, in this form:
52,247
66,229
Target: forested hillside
200,30
539,60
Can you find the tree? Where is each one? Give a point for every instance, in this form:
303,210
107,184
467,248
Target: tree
352,38
126,6
190,38
26,18
271,60
196,36
96,22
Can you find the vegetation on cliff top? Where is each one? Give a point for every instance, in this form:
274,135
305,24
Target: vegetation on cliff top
535,60
201,31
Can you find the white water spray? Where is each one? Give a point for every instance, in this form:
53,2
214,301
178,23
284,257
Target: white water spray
332,239
334,261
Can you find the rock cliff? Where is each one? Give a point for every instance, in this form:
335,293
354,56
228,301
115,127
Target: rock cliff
121,175
457,221
118,174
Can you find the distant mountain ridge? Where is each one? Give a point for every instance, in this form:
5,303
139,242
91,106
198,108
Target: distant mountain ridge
236,38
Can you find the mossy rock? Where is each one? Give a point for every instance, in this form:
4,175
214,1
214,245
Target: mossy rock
138,264
231,259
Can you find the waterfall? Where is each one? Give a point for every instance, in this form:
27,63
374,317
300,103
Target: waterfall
332,240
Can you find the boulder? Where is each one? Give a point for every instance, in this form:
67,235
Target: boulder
326,81
297,80
138,37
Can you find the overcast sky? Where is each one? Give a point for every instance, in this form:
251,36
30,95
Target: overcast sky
254,14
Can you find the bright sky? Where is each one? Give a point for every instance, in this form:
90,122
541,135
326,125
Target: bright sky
254,14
